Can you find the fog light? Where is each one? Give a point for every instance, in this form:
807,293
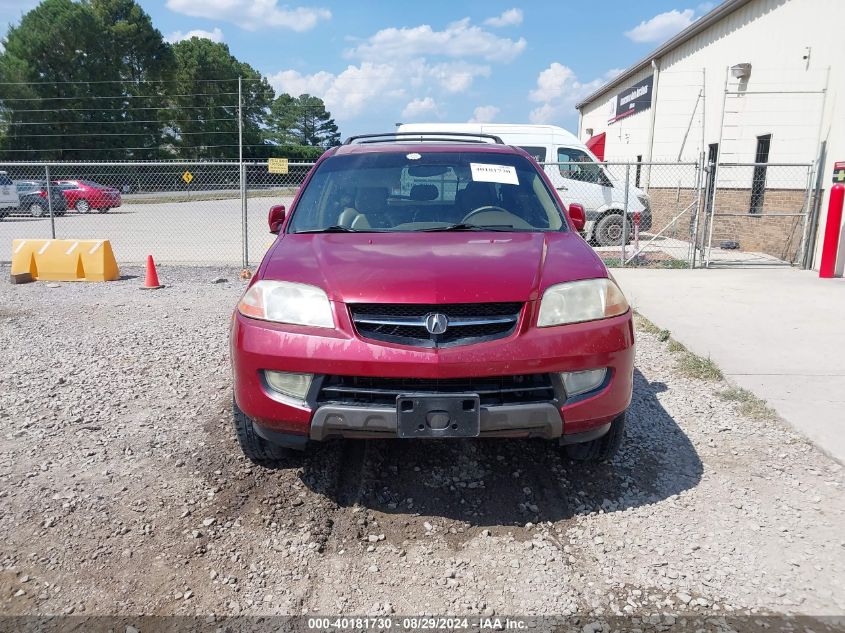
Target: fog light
578,382
288,384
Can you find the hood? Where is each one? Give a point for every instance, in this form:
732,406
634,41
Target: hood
460,267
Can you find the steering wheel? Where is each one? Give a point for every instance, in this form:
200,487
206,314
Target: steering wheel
487,207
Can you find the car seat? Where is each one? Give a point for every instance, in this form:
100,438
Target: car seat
370,204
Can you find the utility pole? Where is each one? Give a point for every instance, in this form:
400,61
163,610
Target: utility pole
242,171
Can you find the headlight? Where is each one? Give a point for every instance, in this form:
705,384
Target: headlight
289,384
577,301
287,302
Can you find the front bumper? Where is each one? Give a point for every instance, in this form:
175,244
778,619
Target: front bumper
257,346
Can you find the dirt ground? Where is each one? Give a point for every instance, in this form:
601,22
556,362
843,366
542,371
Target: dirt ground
123,491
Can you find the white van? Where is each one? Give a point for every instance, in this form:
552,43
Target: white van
584,181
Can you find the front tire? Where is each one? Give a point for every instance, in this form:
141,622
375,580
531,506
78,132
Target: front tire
82,206
609,230
600,449
258,450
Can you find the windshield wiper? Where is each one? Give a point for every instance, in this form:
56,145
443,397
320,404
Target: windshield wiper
463,226
334,228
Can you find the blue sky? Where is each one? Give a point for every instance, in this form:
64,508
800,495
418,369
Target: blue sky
379,62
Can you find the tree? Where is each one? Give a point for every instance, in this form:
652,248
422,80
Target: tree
302,120
205,101
49,61
143,63
91,78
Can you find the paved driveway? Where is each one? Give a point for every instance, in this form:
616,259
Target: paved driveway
778,332
173,230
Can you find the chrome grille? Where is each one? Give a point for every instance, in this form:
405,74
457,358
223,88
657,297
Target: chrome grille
405,323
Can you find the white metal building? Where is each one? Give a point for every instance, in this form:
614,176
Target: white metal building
753,81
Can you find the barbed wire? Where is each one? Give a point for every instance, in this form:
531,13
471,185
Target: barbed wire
126,121
123,96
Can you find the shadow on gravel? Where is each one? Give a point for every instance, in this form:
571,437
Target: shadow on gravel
511,482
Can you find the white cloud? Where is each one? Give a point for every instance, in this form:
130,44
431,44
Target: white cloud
484,114
558,90
458,40
419,107
177,36
349,92
511,17
662,26
252,14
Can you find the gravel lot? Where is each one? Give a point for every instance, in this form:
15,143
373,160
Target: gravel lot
122,490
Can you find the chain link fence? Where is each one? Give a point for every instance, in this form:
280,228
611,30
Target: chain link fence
659,214
180,212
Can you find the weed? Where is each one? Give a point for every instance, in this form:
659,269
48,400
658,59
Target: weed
675,347
695,366
750,405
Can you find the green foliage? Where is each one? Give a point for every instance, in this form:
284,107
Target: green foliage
303,121
206,114
94,80
695,366
750,405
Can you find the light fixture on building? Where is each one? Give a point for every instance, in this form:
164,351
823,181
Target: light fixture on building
741,71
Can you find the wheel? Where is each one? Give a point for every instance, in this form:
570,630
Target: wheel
600,449
106,210
608,231
255,447
36,210
82,206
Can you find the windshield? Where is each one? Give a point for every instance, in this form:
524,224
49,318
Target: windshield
401,191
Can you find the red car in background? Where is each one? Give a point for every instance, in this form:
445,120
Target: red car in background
84,195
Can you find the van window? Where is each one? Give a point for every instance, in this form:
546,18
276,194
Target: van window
539,153
577,165
5,181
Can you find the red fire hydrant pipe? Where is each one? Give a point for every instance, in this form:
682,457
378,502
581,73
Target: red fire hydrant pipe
831,231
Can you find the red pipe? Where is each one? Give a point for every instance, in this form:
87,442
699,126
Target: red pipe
831,231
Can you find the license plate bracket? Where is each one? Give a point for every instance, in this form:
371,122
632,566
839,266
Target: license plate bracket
442,415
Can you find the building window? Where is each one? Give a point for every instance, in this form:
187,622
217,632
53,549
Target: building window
639,170
758,181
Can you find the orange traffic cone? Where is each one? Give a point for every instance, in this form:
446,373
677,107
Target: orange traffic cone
151,281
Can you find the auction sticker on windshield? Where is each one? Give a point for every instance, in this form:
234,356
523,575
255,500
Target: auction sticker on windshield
483,172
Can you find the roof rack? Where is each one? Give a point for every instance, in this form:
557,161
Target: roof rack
424,137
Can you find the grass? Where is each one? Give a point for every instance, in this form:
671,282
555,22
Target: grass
749,405
644,262
203,196
675,347
644,325
695,366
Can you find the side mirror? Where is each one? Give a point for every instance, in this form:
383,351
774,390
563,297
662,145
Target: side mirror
578,216
276,218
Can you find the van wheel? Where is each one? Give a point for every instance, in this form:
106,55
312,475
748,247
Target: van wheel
609,229
600,449
256,448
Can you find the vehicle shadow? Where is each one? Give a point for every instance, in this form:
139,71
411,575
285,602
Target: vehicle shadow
511,482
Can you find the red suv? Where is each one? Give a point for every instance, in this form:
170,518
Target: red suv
84,195
430,286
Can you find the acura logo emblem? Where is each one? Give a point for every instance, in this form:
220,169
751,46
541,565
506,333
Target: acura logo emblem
436,323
